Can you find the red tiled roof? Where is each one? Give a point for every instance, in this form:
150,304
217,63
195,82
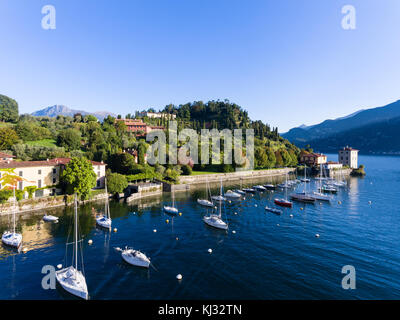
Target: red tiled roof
44,163
6,155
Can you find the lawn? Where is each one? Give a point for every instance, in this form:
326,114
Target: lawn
197,173
42,143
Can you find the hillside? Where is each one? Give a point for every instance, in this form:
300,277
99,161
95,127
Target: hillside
57,110
377,137
303,136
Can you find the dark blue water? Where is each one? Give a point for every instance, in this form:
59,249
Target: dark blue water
269,256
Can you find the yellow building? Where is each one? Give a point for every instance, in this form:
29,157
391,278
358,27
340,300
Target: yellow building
45,175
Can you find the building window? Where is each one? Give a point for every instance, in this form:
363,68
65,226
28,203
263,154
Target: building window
39,171
39,183
54,180
54,171
98,183
20,173
20,185
98,174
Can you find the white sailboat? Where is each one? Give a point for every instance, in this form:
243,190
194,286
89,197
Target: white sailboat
206,202
71,279
171,209
134,257
284,202
240,191
303,196
104,221
50,218
232,195
215,220
318,195
12,239
220,197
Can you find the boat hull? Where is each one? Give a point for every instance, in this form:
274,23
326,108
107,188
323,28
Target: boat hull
135,261
215,222
12,239
73,281
49,218
170,210
205,203
286,204
104,222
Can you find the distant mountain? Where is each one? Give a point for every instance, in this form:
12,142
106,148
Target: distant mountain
302,136
56,110
378,137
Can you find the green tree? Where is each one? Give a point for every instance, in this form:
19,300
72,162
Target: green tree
123,163
116,183
8,137
186,170
8,109
261,158
79,177
70,139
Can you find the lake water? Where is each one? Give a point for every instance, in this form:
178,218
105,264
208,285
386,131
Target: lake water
269,256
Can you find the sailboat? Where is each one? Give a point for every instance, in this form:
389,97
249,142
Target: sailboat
215,220
50,218
171,209
206,202
319,195
71,279
104,221
303,196
220,197
134,257
283,202
240,191
12,239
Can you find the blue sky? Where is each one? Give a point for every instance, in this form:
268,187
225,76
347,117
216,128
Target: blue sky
287,62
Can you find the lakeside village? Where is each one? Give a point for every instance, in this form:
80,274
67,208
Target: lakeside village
28,185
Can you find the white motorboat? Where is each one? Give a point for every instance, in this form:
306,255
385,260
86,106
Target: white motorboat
50,218
259,188
104,221
241,192
206,202
249,190
171,209
70,278
269,186
135,257
12,238
232,195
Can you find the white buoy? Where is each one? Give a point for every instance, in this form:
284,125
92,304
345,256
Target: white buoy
291,216
244,198
179,277
215,207
233,231
255,205
235,212
59,266
369,202
317,235
209,250
115,229
229,201
24,249
155,230
90,241
277,224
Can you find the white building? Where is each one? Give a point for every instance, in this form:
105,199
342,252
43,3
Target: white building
348,157
157,115
332,165
44,175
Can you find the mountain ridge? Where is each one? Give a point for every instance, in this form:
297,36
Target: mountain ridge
59,109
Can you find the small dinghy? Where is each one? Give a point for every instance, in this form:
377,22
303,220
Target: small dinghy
50,218
269,186
134,257
273,210
104,221
70,278
232,195
12,238
283,203
259,188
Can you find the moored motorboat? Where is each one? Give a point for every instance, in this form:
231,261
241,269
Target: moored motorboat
50,218
241,192
273,210
232,195
259,188
269,186
249,190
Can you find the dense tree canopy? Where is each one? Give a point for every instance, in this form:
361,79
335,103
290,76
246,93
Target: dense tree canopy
8,109
8,137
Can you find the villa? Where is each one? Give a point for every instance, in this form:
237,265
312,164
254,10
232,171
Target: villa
348,157
312,159
44,175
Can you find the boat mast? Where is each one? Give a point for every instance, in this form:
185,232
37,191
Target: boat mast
76,234
305,178
14,209
107,207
